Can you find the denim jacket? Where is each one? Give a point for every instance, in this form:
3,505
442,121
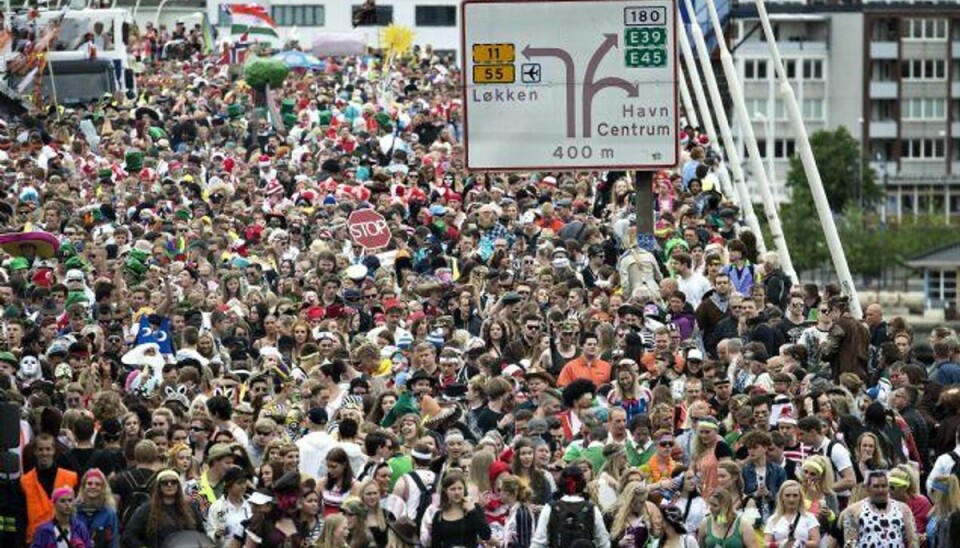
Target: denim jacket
775,477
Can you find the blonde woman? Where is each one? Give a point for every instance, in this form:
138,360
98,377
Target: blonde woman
791,525
478,480
335,531
730,479
867,456
724,528
614,465
180,458
943,521
637,520
904,483
816,480
96,508
515,495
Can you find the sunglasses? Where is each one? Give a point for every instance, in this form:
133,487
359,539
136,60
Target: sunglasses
169,483
197,429
666,444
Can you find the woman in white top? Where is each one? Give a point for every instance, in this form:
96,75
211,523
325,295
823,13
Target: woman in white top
688,500
791,526
226,515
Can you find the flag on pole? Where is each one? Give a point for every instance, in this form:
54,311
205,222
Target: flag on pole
252,20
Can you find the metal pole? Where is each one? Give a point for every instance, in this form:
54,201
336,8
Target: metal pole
643,195
736,91
726,187
729,148
810,168
688,107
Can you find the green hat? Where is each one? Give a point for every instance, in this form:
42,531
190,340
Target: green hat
8,357
133,160
67,249
156,133
235,111
404,406
287,106
104,173
183,213
18,263
383,119
325,117
138,254
289,120
134,267
75,297
11,312
74,262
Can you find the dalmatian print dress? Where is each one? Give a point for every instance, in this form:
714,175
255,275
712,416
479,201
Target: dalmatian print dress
881,530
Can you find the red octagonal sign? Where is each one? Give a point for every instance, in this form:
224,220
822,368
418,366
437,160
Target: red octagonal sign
368,229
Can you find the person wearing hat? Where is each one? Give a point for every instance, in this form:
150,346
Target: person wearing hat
210,486
225,520
65,526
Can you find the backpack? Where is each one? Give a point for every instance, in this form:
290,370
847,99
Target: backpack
139,496
955,470
571,524
426,495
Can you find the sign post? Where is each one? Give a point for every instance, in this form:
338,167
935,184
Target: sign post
368,229
570,84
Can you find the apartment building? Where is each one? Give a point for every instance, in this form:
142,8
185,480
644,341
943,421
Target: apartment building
888,71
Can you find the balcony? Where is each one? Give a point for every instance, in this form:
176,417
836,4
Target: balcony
883,129
883,90
955,47
884,50
955,130
955,90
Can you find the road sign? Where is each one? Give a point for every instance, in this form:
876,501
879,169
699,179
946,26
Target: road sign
601,94
368,229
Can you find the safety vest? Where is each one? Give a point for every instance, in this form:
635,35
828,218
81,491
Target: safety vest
39,505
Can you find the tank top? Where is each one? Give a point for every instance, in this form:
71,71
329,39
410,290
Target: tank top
733,538
881,529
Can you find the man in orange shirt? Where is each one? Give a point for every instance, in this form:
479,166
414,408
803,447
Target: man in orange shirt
587,366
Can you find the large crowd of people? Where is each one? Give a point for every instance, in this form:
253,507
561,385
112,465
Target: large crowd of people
208,359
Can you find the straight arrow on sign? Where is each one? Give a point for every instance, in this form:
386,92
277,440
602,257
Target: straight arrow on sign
591,88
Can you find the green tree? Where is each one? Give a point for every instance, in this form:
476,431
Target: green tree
801,228
265,71
846,177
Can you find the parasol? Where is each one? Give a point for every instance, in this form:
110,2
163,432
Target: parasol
300,60
44,243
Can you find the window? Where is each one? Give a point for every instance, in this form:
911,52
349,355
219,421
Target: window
924,69
925,109
791,67
812,109
812,69
381,18
755,69
755,107
926,29
436,16
298,15
784,148
780,110
922,149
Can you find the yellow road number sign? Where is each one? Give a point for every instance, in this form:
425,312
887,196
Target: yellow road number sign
494,74
494,53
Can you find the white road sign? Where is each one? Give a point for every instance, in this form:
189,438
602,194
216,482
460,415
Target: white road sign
569,84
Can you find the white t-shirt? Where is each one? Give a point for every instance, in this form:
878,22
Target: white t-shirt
780,528
839,458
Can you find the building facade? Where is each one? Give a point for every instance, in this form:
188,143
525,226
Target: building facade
888,71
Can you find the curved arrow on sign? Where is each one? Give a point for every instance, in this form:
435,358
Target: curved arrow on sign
591,88
564,56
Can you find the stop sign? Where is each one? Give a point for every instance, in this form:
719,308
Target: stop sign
368,229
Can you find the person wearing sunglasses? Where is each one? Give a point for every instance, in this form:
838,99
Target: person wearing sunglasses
168,511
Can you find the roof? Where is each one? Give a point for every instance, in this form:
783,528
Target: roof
947,256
